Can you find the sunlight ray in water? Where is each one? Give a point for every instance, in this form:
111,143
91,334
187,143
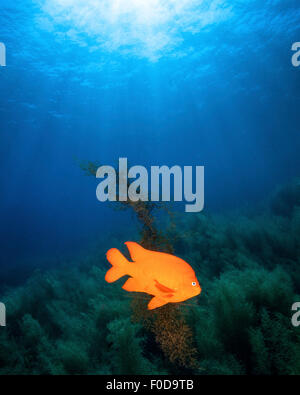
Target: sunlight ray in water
145,28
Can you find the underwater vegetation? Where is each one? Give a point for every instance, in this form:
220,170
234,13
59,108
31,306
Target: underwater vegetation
70,321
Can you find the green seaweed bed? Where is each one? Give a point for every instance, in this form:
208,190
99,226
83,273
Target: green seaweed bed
69,321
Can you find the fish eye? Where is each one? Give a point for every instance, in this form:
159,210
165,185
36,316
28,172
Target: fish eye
194,284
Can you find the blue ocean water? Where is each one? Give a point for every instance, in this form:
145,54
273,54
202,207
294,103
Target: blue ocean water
160,82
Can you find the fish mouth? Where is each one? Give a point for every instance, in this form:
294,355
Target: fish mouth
198,291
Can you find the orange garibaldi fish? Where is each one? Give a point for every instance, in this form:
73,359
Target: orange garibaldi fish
168,278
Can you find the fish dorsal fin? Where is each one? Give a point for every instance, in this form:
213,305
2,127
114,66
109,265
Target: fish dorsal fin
163,288
137,252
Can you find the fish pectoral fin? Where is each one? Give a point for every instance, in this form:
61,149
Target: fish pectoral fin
156,302
163,288
133,285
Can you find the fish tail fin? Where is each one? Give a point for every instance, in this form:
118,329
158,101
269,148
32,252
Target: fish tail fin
119,265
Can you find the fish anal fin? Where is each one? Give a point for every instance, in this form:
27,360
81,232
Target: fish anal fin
156,302
163,288
137,252
133,285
